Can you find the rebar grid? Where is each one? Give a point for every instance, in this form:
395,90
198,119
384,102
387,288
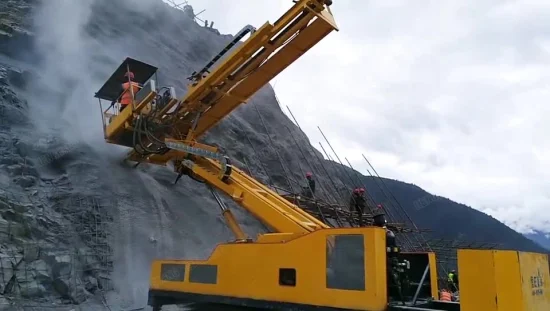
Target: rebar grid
52,253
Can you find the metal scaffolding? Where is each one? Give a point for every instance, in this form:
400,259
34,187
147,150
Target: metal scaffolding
446,249
186,8
52,257
331,202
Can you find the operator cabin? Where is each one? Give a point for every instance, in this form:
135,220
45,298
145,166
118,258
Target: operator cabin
130,92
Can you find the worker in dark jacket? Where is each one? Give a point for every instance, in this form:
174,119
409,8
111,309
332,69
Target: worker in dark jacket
130,89
311,182
358,203
309,190
379,216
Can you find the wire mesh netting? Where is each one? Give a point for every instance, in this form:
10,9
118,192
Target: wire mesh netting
52,258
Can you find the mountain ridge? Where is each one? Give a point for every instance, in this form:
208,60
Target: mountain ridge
540,237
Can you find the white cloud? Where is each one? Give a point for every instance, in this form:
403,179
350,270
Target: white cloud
453,96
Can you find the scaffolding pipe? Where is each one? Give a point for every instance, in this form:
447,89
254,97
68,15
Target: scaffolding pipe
364,185
272,145
351,196
320,161
403,238
303,173
333,151
396,201
258,159
369,196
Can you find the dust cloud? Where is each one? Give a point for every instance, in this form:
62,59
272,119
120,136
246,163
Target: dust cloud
71,66
78,46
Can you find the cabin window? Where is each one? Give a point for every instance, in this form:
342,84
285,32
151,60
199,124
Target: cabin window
287,277
345,262
206,274
172,272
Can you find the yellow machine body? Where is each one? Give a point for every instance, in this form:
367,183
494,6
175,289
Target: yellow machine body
339,268
434,284
495,280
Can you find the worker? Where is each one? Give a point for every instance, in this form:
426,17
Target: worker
128,94
309,190
358,203
311,182
453,280
444,295
391,241
379,216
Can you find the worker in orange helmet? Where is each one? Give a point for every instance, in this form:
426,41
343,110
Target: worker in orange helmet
128,94
358,203
309,190
311,182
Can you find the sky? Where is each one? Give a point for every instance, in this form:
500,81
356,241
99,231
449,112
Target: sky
449,95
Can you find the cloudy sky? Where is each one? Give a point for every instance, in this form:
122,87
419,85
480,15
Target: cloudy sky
449,95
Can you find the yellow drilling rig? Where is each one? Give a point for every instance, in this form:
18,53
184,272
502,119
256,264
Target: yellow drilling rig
303,264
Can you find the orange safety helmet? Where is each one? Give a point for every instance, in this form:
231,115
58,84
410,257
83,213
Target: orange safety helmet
129,75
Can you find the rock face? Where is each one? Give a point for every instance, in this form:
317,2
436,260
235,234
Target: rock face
15,31
77,225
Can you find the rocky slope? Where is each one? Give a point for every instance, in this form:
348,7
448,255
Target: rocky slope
77,225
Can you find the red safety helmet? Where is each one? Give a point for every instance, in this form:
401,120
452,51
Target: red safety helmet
379,206
361,190
129,74
309,174
356,190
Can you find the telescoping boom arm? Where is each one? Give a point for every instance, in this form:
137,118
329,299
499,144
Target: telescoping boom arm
262,202
163,130
267,52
